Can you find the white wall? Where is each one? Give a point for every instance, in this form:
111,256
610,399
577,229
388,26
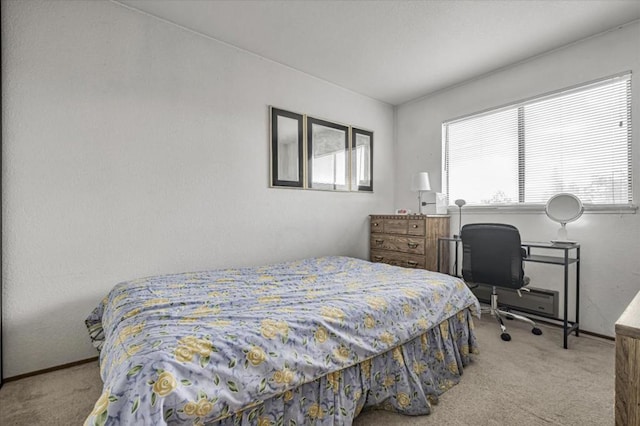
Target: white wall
133,147
610,271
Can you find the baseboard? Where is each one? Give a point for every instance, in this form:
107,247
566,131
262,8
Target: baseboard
589,333
48,370
601,336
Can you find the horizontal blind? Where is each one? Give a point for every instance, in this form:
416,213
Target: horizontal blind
577,141
481,158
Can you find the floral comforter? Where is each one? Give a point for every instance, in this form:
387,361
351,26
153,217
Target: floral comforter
200,347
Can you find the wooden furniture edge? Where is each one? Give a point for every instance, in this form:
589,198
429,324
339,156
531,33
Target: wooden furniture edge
407,216
629,322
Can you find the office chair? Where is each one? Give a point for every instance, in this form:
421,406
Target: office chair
492,255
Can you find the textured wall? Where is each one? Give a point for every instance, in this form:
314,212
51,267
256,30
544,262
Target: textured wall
133,147
610,273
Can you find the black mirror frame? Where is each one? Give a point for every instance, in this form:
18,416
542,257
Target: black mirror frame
310,122
354,132
275,179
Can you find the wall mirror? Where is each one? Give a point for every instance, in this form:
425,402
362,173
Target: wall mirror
327,152
564,208
362,159
286,148
311,153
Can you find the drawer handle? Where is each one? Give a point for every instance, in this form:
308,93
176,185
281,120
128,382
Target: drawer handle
375,224
378,258
379,241
414,226
412,263
412,245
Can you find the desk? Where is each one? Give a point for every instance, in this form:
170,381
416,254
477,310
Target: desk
564,260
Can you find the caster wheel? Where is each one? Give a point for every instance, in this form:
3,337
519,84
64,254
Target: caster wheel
505,336
536,331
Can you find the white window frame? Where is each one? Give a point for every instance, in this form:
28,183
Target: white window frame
522,207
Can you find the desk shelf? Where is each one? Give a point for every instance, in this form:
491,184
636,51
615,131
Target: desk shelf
554,260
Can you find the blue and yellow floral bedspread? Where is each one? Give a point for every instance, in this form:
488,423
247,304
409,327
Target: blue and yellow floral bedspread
196,347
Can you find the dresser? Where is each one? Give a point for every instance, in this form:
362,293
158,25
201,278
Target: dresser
408,240
627,405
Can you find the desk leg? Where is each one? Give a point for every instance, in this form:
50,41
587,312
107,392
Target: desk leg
455,265
566,294
577,319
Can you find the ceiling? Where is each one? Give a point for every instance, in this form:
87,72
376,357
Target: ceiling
396,51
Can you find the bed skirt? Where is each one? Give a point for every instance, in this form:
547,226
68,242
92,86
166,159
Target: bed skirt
407,379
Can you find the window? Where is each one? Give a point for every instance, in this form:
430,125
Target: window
577,140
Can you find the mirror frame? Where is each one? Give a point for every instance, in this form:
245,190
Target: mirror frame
310,122
275,179
573,197
354,170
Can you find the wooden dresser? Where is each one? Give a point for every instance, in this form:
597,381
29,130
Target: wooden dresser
408,240
627,406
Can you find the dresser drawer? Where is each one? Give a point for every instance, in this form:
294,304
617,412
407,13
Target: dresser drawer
395,226
377,225
399,244
416,227
397,259
398,225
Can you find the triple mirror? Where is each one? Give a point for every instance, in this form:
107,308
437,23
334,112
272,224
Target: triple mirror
338,157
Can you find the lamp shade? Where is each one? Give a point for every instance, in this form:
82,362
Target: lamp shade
420,182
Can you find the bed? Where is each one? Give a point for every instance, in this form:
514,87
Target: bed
305,342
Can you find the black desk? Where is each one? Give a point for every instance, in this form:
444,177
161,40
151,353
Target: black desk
564,260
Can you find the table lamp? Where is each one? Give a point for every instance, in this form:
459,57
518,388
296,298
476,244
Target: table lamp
420,183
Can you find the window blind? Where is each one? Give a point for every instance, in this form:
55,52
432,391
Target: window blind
577,140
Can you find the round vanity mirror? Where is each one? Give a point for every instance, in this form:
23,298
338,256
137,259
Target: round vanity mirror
564,208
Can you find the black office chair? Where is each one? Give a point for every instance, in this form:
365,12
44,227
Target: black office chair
492,255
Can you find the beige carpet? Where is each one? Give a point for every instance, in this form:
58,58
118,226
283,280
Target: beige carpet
528,381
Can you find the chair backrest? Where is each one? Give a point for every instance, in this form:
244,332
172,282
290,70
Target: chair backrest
492,255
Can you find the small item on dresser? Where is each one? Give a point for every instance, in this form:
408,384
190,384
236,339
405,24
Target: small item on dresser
403,211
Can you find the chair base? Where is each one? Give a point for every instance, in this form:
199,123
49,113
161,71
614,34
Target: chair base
499,314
